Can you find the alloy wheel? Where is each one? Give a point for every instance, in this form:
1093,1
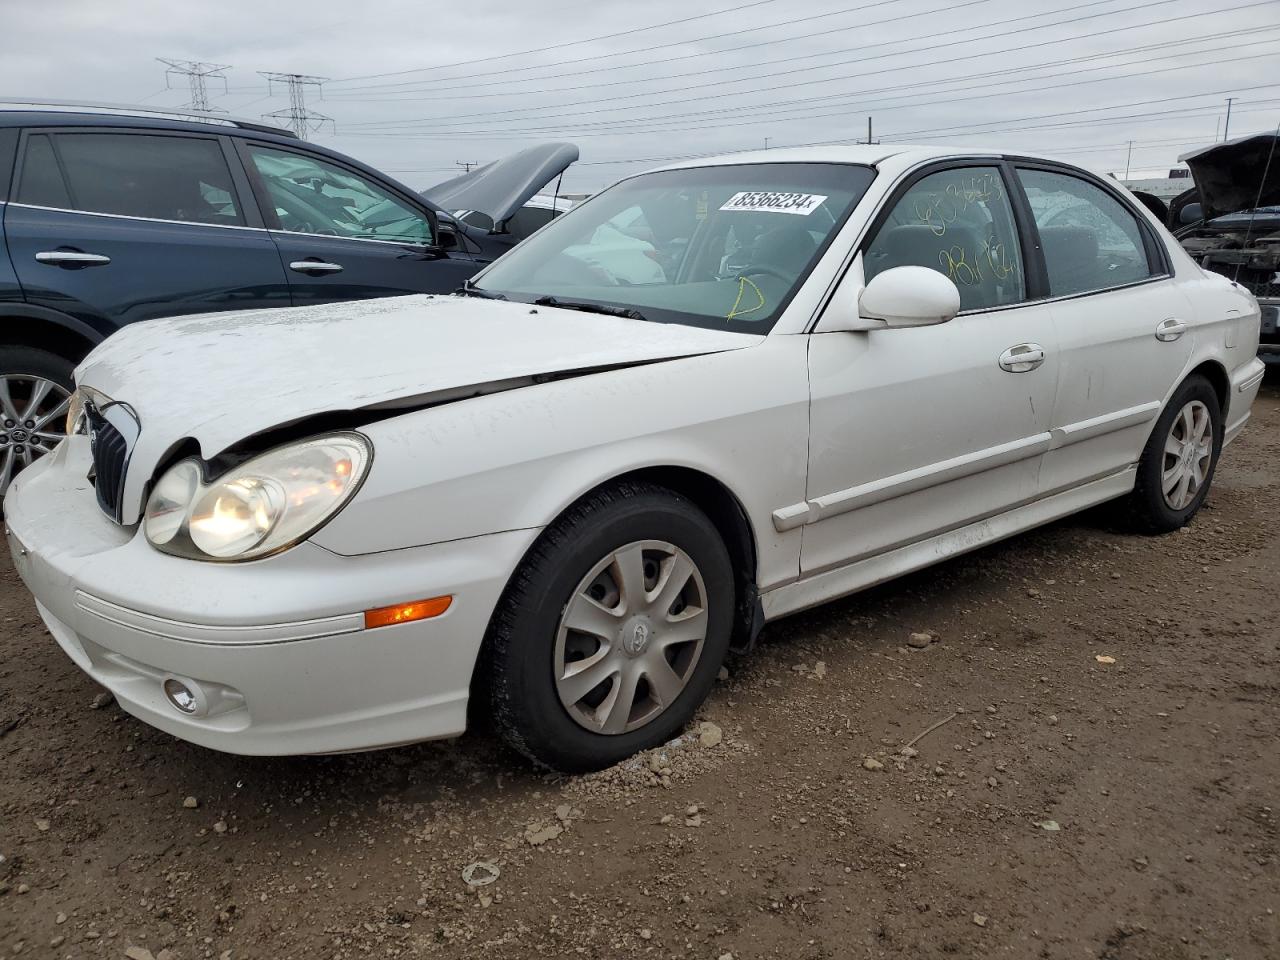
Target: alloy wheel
630,637
31,413
1188,452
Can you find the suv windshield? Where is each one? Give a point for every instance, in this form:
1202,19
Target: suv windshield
722,247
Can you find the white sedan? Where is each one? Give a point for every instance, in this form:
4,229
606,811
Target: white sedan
561,499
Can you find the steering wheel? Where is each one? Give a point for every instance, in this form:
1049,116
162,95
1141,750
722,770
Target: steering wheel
757,270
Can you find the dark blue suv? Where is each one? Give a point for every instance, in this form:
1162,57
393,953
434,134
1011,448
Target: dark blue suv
112,215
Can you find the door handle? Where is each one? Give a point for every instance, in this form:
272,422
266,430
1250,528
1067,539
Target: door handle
1022,357
72,258
315,266
1171,329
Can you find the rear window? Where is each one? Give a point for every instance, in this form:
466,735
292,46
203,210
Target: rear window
137,175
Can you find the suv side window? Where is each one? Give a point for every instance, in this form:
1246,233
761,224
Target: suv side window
1091,240
134,175
42,184
312,196
960,223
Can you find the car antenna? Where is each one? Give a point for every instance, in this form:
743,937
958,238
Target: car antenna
1253,214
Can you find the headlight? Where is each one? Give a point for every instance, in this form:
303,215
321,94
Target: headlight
265,505
75,413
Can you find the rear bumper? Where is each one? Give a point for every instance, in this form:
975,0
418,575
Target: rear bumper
1245,381
1269,329
276,649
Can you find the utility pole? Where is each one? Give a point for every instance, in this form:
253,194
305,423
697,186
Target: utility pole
466,165
301,120
196,73
868,131
1128,160
766,143
1226,131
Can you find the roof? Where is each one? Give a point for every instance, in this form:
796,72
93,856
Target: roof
853,153
63,107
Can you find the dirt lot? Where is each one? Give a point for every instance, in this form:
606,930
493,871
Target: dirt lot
1070,807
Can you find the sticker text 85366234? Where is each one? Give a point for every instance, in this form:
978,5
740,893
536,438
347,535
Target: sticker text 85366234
769,201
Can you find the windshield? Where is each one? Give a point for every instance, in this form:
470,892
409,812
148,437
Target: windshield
723,247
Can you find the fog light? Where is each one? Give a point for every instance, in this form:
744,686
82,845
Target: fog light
185,696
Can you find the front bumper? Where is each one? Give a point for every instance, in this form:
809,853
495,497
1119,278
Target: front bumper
277,647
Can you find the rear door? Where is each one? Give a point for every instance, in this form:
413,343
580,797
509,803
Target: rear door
342,235
1125,331
127,225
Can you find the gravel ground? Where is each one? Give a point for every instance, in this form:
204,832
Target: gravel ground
1103,784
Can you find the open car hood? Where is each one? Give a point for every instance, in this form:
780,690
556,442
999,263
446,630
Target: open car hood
222,378
1234,175
500,188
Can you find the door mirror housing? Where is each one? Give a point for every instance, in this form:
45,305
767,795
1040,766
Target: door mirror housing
1191,213
906,297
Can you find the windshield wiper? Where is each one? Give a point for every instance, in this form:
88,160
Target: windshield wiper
587,307
469,289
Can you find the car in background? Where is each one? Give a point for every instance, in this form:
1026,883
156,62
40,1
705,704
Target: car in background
1229,221
558,499
113,215
535,214
500,199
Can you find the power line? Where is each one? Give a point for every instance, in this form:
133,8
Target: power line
301,120
561,46
197,74
931,49
612,57
708,119
1204,110
667,75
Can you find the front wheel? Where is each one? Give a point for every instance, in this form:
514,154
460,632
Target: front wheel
611,633
35,391
1177,464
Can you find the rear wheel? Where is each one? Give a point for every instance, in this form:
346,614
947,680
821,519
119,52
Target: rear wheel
612,631
1177,465
35,391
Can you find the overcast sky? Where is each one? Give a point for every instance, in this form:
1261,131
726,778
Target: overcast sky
414,88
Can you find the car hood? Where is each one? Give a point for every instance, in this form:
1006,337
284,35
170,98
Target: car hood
1236,175
225,377
500,188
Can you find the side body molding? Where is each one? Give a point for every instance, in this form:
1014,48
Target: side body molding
921,478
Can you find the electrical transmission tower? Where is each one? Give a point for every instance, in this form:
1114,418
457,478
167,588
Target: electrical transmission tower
301,120
196,73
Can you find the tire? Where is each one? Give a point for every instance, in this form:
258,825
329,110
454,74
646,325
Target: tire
24,370
532,646
1194,410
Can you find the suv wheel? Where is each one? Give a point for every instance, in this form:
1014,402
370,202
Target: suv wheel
35,391
611,633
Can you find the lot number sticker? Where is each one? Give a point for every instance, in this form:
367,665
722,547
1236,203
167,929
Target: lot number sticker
766,201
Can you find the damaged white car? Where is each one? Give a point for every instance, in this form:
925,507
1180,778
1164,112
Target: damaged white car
560,500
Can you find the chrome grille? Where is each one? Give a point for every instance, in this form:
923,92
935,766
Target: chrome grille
110,460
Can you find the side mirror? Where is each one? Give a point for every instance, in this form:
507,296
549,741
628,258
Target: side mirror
909,297
1191,213
446,236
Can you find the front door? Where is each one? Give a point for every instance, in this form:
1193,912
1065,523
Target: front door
914,432
1125,331
123,226
343,236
